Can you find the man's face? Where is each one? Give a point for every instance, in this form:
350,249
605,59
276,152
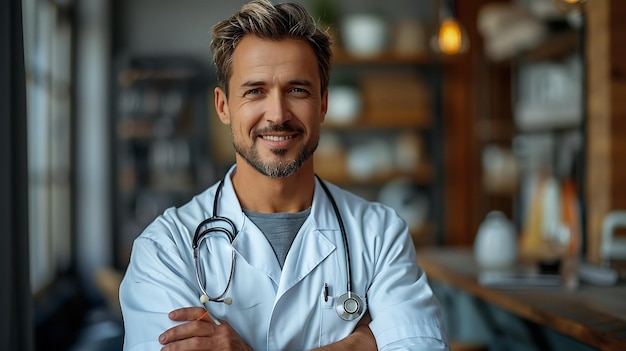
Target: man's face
275,106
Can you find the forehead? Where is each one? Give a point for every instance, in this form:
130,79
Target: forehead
260,57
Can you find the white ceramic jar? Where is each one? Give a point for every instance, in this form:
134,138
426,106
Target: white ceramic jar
495,246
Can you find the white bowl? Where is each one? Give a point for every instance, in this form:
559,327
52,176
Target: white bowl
344,104
364,34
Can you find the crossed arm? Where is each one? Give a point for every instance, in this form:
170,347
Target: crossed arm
201,333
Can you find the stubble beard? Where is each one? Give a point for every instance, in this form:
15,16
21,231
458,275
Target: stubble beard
275,169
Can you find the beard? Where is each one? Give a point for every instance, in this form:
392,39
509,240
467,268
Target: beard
282,167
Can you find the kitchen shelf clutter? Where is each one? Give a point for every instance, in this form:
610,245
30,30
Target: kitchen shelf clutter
531,127
381,138
534,68
161,153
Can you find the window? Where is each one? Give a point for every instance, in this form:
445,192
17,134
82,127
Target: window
48,61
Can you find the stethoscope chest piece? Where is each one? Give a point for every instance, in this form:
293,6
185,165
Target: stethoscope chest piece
349,306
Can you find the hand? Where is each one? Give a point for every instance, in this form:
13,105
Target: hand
200,333
361,339
365,321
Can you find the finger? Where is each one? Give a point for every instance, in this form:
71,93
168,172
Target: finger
191,329
208,316
206,313
187,314
199,335
193,313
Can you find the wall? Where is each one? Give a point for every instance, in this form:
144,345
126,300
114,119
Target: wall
170,27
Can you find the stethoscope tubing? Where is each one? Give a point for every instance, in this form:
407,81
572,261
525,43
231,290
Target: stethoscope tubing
347,299
220,297
343,234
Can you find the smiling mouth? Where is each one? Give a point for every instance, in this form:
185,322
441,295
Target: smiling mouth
276,137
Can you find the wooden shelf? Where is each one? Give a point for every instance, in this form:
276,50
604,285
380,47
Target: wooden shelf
343,57
130,76
397,119
556,46
397,99
338,174
160,153
129,129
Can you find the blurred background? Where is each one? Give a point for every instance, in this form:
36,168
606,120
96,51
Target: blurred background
445,110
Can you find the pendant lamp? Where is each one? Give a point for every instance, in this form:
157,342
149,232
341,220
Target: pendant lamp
450,37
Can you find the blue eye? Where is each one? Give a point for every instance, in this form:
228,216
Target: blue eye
299,91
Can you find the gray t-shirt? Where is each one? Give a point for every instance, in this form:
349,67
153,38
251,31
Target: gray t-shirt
280,229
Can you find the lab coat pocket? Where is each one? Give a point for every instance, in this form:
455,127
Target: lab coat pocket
332,327
246,298
327,313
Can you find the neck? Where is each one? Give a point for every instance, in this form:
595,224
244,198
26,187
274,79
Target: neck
274,195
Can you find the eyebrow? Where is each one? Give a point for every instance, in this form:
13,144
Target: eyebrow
300,82
258,83
252,84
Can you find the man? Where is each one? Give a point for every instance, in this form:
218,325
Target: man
310,266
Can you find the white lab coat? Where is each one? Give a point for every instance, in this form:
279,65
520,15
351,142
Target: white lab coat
276,309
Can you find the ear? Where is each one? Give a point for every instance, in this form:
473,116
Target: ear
324,107
221,105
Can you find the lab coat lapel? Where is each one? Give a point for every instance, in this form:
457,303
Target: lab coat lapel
312,244
250,244
308,250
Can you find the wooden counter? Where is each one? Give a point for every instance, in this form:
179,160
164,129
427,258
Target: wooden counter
593,315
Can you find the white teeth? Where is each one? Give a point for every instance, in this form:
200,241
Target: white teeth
276,138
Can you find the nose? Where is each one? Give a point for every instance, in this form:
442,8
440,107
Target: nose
277,109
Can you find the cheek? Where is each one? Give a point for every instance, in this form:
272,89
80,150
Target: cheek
314,119
241,126
309,112
237,131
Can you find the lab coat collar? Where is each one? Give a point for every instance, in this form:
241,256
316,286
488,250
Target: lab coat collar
313,243
322,213
228,203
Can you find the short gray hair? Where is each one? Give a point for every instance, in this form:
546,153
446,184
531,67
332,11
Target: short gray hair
265,20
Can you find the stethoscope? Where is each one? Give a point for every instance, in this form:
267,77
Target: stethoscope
349,306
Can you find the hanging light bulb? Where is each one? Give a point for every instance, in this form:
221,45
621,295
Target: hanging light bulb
451,38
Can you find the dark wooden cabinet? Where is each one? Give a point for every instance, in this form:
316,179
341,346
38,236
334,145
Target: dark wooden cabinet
161,149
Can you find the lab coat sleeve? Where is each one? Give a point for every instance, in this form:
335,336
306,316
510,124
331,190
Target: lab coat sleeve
156,282
405,313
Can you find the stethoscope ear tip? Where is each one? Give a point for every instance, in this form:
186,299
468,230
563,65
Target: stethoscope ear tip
204,298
